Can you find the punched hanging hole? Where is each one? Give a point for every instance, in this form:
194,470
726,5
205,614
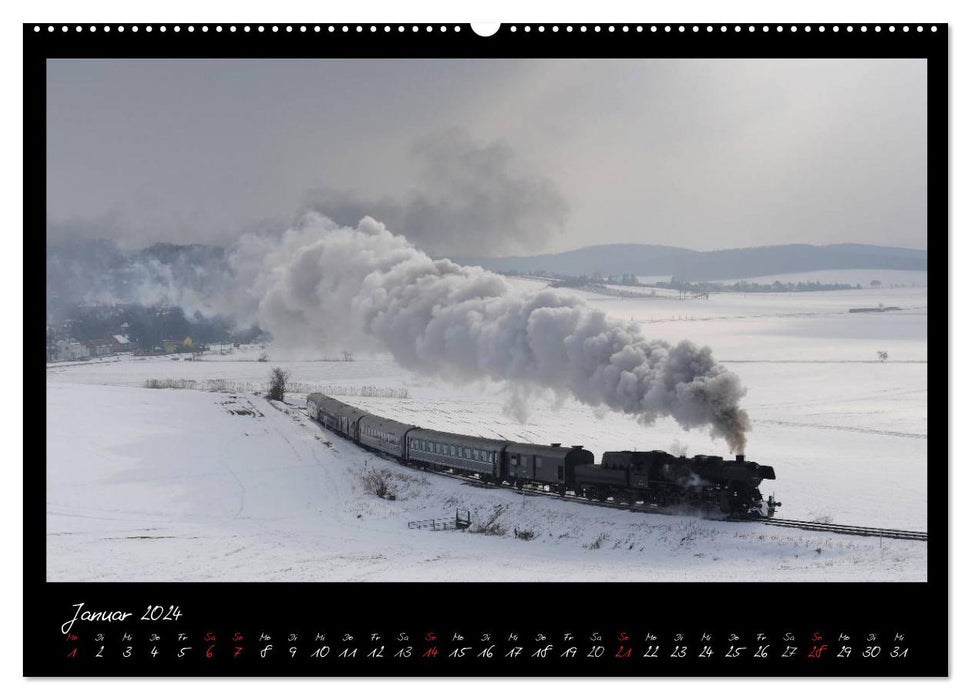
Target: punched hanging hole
485,28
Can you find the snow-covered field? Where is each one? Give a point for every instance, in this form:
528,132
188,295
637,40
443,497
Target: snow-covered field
170,484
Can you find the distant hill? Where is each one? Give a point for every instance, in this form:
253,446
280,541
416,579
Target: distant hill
693,265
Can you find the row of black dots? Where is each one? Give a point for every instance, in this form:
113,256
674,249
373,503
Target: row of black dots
387,28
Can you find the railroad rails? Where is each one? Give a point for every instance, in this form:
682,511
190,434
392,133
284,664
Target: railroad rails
860,530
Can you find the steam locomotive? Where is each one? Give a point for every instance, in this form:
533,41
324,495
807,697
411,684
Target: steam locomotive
654,477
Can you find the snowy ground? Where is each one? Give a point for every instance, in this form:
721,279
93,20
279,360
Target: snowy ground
165,484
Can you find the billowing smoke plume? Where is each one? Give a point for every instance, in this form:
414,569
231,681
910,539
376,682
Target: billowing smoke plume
473,198
327,286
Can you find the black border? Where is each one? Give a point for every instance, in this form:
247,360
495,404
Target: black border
918,610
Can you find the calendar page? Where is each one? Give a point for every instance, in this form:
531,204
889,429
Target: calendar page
522,350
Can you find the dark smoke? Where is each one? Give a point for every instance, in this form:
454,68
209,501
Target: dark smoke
469,199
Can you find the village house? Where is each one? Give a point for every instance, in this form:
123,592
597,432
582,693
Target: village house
64,350
111,345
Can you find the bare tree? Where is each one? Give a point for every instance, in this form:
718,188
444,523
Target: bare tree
347,355
882,355
278,384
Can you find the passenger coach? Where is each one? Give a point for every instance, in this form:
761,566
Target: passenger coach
336,415
460,453
385,435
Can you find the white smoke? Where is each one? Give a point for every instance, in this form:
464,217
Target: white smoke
331,287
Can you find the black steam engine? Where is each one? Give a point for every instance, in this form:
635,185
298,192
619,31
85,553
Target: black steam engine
659,478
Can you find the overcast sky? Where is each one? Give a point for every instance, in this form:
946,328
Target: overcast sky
499,156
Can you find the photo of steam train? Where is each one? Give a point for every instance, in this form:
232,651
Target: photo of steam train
652,478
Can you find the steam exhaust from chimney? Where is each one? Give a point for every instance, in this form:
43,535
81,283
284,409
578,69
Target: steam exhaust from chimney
330,287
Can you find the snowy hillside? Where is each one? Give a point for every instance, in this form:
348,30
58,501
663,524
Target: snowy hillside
187,484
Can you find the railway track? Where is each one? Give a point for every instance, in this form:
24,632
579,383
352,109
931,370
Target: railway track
845,529
858,530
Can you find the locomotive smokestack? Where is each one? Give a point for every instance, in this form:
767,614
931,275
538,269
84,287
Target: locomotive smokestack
739,458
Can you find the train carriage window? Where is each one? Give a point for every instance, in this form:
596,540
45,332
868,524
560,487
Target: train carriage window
514,460
539,462
451,450
465,452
